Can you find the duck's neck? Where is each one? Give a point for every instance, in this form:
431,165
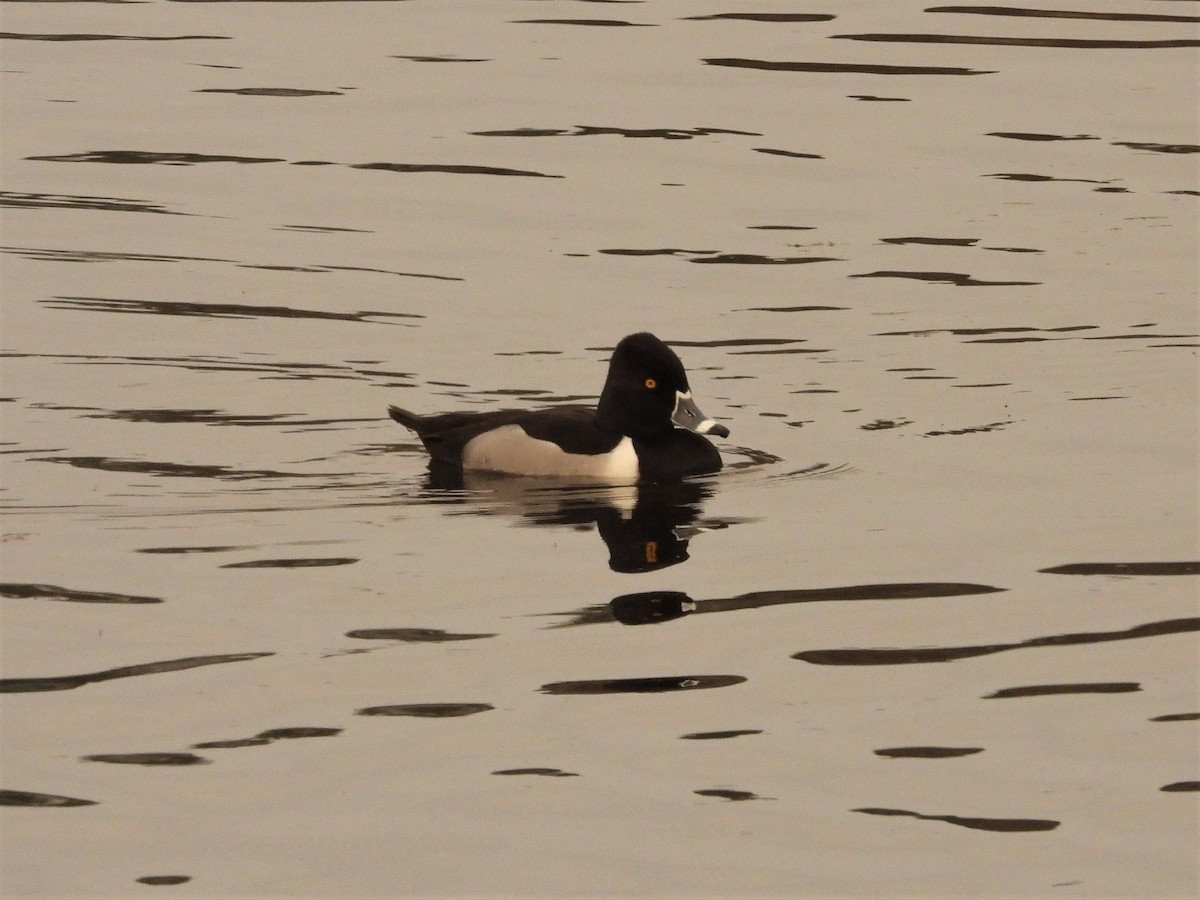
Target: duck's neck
614,413
607,416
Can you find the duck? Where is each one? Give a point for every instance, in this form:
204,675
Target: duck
646,427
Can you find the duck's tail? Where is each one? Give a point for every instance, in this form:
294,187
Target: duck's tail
409,420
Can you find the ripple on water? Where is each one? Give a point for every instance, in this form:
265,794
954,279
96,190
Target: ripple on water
449,169
154,157
958,279
72,37
1047,690
890,656
599,23
794,154
71,595
172,470
324,229
442,59
32,798
1189,567
215,417
68,682
1030,176
666,134
231,744
221,310
762,17
715,257
28,200
1009,41
413,635
1060,14
719,735
971,332
976,822
426,710
729,794
265,369
1158,148
269,736
758,259
151,157
1041,136
855,68
927,752
933,241
655,685
1178,786
293,563
973,429
149,759
270,92
791,309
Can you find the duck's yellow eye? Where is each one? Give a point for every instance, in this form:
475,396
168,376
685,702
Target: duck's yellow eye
651,383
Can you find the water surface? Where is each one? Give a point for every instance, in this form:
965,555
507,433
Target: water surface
934,266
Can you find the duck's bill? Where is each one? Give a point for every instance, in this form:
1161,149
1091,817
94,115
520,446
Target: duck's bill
688,415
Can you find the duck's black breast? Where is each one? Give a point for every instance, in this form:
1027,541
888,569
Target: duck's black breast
675,455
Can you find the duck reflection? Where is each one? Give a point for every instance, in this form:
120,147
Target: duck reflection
651,607
645,526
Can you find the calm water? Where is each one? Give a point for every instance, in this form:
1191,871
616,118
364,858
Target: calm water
930,633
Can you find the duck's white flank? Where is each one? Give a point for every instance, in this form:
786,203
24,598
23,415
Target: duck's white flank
510,449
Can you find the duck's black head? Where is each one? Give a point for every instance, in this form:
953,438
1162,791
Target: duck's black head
647,394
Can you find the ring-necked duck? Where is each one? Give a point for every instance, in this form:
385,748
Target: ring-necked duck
645,427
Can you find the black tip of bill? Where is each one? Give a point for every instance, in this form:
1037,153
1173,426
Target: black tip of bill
719,430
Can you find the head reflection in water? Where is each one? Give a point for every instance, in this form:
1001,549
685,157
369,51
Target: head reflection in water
644,526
